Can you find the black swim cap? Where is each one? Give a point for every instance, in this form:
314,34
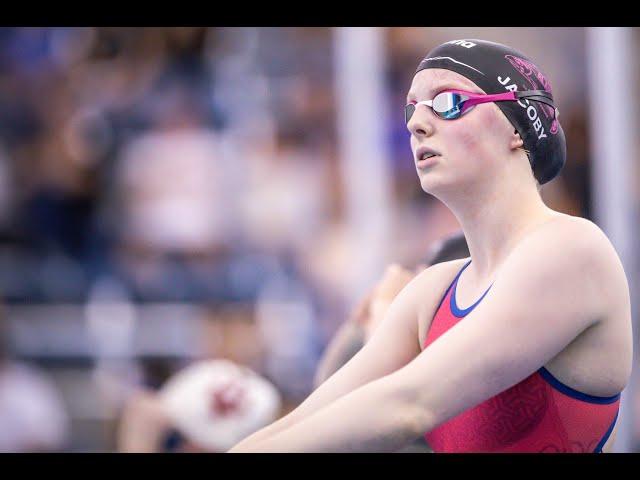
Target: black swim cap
496,68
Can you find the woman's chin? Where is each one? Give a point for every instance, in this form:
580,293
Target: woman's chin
429,183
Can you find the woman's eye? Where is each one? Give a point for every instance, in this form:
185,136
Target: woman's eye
444,102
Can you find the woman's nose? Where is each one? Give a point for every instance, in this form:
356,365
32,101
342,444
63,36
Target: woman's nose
419,123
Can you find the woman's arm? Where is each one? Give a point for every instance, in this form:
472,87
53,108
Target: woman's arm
393,345
534,310
376,417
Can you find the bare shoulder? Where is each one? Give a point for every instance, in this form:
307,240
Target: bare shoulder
579,240
576,234
578,251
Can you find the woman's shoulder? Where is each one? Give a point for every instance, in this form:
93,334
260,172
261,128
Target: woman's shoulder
576,249
575,236
572,222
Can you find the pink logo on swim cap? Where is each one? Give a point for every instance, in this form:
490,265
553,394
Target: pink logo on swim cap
532,73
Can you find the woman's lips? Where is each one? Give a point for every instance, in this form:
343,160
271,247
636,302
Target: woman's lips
427,162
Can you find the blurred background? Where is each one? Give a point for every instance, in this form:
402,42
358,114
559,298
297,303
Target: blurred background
171,195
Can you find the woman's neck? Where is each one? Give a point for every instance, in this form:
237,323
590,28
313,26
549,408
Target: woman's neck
495,219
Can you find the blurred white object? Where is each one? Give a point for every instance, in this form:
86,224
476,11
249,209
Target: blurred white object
366,173
216,403
175,190
32,415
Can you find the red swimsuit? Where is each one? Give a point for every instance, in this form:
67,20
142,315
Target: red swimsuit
539,414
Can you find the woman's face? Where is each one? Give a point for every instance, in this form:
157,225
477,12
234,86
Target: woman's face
470,149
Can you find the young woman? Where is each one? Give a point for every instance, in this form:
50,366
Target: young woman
524,347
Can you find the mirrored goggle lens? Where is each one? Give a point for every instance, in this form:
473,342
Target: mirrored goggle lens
448,105
408,111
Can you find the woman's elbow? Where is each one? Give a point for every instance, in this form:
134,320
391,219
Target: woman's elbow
419,419
413,412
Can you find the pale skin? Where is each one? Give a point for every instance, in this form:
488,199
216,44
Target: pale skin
559,299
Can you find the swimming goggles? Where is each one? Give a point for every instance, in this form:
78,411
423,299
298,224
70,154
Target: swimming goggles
452,104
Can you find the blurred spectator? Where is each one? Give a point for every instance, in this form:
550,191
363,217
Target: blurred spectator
207,407
176,202
6,191
232,333
290,209
33,417
172,185
576,172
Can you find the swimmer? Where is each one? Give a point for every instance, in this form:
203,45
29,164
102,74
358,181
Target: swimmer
526,345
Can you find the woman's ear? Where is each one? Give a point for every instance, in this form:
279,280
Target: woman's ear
516,140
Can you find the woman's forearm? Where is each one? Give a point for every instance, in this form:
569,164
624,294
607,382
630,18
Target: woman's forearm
333,389
264,433
322,396
366,366
338,385
378,417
